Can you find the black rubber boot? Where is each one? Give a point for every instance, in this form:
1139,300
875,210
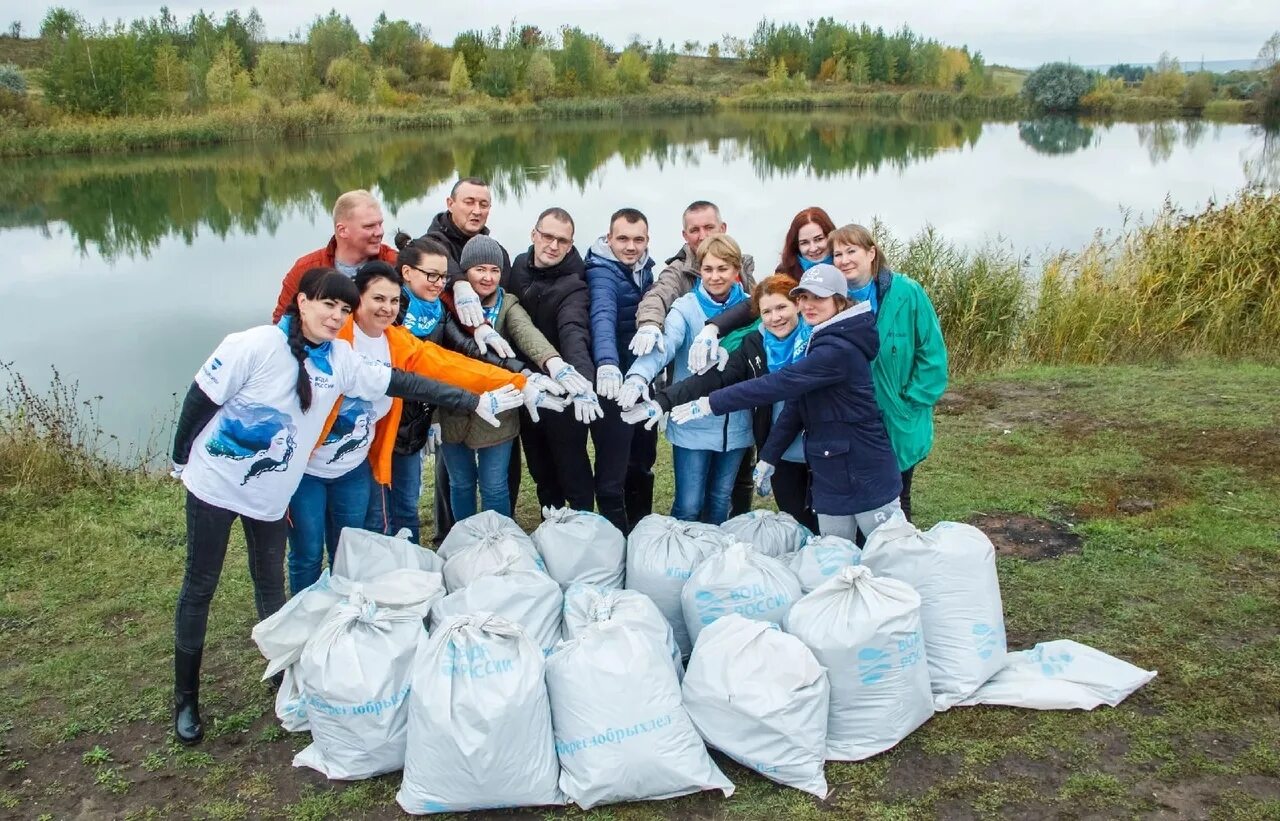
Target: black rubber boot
638,498
186,696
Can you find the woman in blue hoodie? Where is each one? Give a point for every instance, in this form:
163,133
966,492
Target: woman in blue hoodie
706,452
830,396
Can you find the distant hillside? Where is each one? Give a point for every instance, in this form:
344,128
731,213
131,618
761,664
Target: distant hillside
1214,66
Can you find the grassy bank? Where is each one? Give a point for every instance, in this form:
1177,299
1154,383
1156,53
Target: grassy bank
912,102
1160,484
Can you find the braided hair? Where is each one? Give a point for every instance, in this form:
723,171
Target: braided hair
316,284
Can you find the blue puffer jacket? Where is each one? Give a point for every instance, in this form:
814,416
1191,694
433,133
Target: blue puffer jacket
831,397
719,433
614,299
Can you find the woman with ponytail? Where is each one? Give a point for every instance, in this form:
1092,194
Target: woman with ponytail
261,399
359,436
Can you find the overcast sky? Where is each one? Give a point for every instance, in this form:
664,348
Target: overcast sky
1010,32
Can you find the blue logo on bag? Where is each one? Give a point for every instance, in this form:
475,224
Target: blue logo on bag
873,664
709,607
986,639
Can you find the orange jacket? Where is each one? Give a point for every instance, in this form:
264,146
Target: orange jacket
321,258
408,353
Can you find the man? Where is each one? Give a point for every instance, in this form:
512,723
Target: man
619,274
701,220
549,280
357,239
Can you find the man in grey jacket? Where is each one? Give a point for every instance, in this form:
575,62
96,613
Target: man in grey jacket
701,220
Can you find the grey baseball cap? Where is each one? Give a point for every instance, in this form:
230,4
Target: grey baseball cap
822,280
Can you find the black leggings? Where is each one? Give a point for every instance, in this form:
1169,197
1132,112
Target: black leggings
791,482
208,532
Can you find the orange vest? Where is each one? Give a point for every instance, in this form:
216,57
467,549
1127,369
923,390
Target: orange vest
408,353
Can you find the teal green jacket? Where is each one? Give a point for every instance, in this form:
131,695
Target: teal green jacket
910,372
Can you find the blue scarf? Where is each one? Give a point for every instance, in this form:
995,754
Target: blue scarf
779,353
491,313
806,263
711,308
422,316
318,354
867,293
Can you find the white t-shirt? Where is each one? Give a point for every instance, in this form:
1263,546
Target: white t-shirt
351,436
250,457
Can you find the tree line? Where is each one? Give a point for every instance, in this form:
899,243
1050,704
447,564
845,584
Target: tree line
161,64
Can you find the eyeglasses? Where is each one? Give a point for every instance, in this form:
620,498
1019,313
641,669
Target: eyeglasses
551,239
432,276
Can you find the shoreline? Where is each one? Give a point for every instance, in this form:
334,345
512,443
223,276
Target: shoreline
325,116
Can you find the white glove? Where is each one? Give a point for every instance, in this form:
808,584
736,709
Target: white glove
648,412
487,338
496,401
586,408
697,409
633,388
176,473
567,376
608,381
761,477
434,439
646,339
467,303
545,382
536,397
704,351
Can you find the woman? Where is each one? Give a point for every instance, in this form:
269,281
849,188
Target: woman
476,457
707,452
829,395
911,371
358,439
806,242
775,341
263,393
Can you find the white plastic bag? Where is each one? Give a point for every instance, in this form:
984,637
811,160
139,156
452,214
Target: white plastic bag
291,710
621,731
661,555
759,696
738,580
363,555
769,532
354,677
479,721
581,546
475,528
529,598
953,568
491,553
866,631
1061,675
821,559
586,604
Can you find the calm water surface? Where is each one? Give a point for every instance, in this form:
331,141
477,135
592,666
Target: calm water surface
125,271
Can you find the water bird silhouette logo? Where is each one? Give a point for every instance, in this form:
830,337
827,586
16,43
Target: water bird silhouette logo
873,664
986,639
709,607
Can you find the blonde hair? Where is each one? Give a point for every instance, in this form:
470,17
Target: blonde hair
349,202
721,246
854,234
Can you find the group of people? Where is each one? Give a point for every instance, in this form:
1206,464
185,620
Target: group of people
815,383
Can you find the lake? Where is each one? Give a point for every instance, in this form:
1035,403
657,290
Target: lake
127,270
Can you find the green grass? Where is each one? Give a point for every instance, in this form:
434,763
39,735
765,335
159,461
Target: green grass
1190,587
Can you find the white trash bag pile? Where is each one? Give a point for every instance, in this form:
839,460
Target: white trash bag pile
580,666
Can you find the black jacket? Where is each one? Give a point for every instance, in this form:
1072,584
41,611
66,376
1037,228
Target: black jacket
830,396
559,303
415,417
746,362
443,230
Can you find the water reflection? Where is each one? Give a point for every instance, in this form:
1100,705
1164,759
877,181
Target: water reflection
1055,135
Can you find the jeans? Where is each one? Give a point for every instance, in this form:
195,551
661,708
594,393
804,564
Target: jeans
486,467
704,483
624,467
401,497
318,511
555,449
208,531
848,527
